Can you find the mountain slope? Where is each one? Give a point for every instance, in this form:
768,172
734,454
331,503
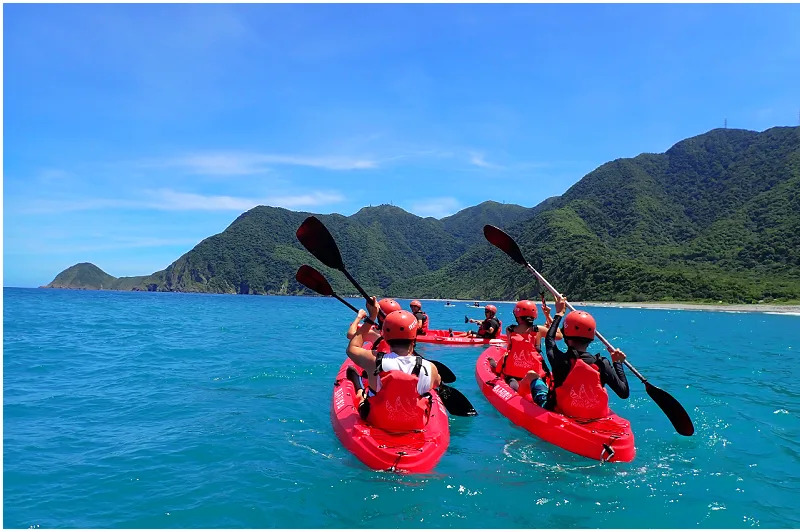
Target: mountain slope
715,217
83,275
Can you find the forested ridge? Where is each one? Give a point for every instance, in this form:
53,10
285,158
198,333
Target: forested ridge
715,218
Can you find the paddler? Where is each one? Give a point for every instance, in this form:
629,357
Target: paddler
398,397
489,327
422,318
387,306
579,377
522,365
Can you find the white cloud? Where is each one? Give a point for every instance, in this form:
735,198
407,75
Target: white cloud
241,163
58,206
175,201
171,200
436,207
479,159
106,243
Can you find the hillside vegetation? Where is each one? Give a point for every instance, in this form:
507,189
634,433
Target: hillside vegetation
716,217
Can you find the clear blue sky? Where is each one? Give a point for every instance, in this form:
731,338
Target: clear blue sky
132,132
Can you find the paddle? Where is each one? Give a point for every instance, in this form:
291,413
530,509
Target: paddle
668,404
311,278
316,238
456,402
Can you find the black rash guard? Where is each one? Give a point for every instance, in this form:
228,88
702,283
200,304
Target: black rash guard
612,374
483,329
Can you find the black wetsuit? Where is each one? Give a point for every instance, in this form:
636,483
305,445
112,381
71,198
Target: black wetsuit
483,330
421,316
611,373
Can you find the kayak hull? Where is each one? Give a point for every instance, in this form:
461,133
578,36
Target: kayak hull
594,439
442,336
407,452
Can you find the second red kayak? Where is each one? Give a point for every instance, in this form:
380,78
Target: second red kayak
607,439
442,336
415,451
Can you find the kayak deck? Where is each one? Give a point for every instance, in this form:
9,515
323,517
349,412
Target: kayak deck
412,452
607,439
442,336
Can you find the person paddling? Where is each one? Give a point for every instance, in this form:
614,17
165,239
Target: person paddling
422,318
579,377
523,365
386,306
400,382
489,327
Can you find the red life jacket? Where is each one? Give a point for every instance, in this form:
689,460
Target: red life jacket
523,356
381,346
398,406
424,329
581,395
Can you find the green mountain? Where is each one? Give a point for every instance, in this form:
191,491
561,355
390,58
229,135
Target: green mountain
716,217
713,218
85,276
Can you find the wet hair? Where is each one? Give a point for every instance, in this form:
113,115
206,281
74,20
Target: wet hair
526,319
399,344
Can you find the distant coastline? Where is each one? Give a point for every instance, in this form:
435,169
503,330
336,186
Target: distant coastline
721,307
770,308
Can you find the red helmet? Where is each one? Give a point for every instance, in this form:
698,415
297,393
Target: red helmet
388,306
525,308
492,309
579,324
415,303
400,325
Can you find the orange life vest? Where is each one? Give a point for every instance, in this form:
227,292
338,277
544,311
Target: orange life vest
523,356
398,406
581,395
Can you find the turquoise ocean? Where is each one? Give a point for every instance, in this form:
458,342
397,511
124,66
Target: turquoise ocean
164,410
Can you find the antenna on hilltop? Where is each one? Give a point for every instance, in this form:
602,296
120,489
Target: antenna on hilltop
726,123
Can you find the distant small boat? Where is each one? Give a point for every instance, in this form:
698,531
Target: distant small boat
476,306
449,305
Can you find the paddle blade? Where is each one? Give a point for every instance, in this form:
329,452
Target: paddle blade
444,372
672,408
316,238
499,239
311,278
455,402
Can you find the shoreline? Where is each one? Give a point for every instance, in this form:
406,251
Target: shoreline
721,307
769,308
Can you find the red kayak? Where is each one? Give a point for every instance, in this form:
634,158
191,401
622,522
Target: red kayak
411,452
608,439
442,336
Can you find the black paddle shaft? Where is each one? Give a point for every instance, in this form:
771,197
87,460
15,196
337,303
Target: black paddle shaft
311,278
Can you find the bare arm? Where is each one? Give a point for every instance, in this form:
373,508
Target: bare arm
546,311
351,331
364,358
436,380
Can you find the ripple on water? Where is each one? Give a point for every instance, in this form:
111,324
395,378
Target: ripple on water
138,410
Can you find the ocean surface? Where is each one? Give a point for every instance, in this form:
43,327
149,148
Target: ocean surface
142,410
